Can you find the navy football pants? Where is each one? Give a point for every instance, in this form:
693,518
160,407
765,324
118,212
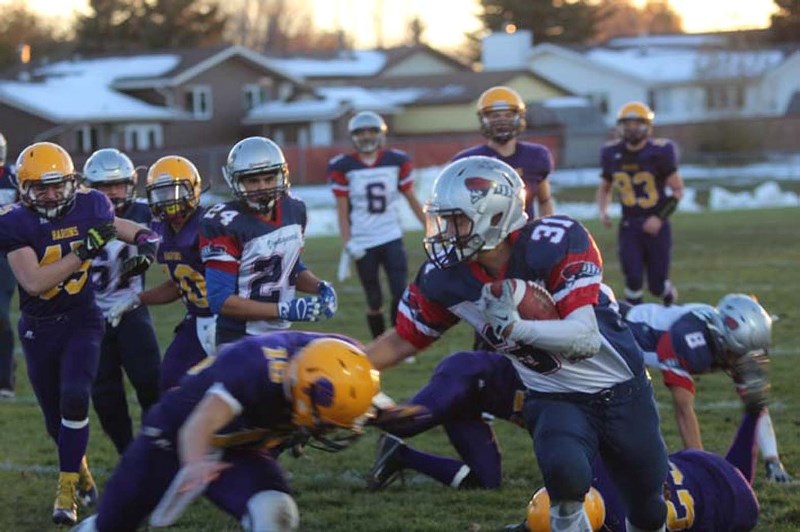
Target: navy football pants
392,256
640,253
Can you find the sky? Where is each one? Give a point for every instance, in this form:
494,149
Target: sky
447,21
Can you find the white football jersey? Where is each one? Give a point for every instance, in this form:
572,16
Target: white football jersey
106,267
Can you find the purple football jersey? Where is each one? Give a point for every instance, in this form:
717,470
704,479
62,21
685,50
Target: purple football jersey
532,162
639,176
52,240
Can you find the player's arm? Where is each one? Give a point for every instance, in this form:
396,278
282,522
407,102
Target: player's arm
37,278
308,282
210,415
686,418
576,336
544,198
389,349
415,205
603,201
343,215
166,292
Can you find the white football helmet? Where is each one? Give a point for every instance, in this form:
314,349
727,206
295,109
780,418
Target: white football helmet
746,326
371,122
476,203
3,149
255,156
109,166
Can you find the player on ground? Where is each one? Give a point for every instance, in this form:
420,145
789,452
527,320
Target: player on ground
588,391
173,192
641,168
704,491
8,195
367,185
131,345
251,247
692,339
501,112
210,434
51,237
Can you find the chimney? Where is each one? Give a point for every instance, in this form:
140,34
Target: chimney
506,50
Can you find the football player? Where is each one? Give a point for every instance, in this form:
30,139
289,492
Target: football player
692,339
703,490
367,185
641,169
588,390
51,237
501,112
173,192
8,195
251,247
209,434
131,345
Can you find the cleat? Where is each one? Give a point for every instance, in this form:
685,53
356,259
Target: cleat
87,489
750,375
65,509
519,527
7,393
776,472
387,468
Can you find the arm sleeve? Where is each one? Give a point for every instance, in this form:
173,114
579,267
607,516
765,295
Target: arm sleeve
220,285
577,334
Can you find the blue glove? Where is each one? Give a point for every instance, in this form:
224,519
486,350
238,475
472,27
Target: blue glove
306,308
327,296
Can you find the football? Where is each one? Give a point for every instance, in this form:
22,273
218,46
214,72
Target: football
533,302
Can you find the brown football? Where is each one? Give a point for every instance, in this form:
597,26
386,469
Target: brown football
533,301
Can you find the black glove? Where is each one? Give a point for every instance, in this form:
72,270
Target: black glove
133,266
95,240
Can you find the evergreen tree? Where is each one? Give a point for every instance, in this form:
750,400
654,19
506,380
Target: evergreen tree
786,22
20,26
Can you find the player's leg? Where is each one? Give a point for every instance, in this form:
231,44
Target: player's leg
108,392
41,345
141,357
395,263
634,451
184,352
367,267
629,249
255,491
768,444
7,361
659,257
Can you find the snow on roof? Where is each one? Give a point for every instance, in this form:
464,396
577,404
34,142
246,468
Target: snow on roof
302,110
81,90
682,65
356,63
359,98
566,101
673,41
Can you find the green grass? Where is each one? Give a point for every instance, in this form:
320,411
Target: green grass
715,253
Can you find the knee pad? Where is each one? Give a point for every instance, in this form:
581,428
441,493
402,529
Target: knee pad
271,511
75,404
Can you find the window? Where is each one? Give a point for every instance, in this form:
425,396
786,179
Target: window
254,95
724,97
198,101
142,137
86,139
600,100
284,91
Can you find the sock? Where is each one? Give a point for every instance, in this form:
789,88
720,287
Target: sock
448,471
73,439
376,324
569,517
765,434
630,528
742,453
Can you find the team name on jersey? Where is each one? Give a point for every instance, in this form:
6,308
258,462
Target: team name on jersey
175,256
66,232
631,167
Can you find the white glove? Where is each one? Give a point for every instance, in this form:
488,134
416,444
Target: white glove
207,334
501,311
130,302
344,266
354,250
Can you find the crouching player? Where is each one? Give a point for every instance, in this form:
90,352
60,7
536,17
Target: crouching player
210,434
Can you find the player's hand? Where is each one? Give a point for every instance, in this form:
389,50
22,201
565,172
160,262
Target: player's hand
500,312
95,240
327,296
354,250
652,225
133,266
605,219
130,302
306,308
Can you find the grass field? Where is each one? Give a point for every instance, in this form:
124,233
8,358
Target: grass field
715,253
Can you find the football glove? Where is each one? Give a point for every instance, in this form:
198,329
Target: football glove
327,296
95,240
306,308
500,312
128,303
133,266
354,250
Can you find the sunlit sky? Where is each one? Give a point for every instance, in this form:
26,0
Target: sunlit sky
447,21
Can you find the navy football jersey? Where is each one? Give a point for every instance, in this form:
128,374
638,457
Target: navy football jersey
52,240
248,375
560,255
263,253
533,162
8,185
180,254
639,176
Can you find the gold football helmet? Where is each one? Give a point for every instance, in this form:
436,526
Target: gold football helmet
332,384
173,187
539,510
501,128
46,179
635,122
